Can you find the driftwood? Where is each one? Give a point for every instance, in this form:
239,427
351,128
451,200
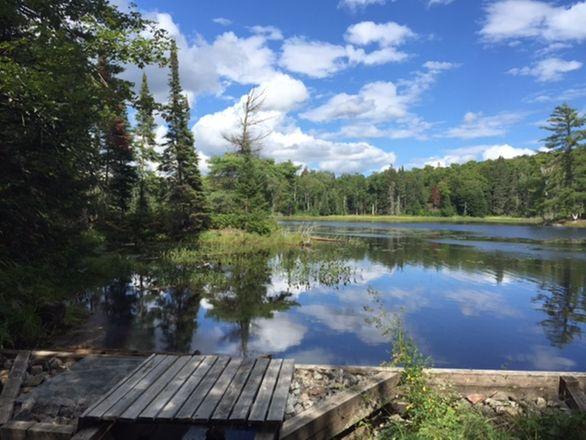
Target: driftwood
571,393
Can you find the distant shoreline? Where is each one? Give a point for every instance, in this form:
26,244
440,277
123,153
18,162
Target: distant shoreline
535,221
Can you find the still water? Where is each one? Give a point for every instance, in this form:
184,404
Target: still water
472,296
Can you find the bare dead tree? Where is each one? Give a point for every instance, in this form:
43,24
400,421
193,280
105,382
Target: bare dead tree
248,139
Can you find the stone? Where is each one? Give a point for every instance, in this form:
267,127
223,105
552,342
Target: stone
396,418
36,369
508,410
499,395
475,398
55,363
400,407
316,390
317,375
35,380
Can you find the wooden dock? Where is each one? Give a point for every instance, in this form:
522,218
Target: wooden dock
199,390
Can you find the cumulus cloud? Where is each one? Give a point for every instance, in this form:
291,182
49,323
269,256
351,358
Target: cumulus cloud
313,58
549,69
383,34
475,152
477,125
519,19
321,59
354,5
378,101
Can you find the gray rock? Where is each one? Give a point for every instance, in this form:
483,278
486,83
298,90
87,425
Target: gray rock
540,403
35,380
36,369
55,363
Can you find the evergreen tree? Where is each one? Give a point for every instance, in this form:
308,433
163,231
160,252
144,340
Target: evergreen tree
185,196
564,194
144,141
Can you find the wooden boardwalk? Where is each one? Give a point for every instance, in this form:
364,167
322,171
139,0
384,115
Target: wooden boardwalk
198,390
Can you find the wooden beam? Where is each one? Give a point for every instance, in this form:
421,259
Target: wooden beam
93,433
12,386
571,393
340,412
15,430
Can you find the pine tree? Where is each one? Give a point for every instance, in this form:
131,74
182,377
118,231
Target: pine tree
187,204
144,141
567,135
563,190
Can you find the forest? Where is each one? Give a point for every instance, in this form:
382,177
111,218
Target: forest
76,178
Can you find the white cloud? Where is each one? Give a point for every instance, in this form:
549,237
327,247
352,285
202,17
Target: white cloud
313,58
518,19
475,152
222,21
378,101
270,32
506,152
549,69
476,125
320,59
353,5
383,34
210,66
561,96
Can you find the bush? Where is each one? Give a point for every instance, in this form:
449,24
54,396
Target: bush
253,223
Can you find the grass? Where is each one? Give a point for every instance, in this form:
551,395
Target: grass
416,218
228,243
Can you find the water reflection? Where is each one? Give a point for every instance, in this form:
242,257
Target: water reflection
466,305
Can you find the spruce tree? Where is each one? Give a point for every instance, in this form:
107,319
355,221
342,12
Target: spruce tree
185,196
144,141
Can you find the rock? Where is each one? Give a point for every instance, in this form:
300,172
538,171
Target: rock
400,407
499,395
8,363
396,418
316,390
541,403
56,364
35,380
493,403
317,375
36,369
475,398
508,410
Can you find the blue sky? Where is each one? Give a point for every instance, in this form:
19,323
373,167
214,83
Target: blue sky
359,85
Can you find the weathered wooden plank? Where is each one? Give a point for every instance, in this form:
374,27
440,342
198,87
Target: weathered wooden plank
174,405
138,389
205,410
224,408
125,385
94,432
151,411
49,431
262,401
244,402
281,394
199,394
127,378
15,430
571,393
335,415
266,433
12,386
132,412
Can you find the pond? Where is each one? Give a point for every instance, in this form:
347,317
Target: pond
471,295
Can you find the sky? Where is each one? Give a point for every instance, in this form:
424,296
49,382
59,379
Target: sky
361,85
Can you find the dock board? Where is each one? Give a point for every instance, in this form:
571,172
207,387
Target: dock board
198,390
